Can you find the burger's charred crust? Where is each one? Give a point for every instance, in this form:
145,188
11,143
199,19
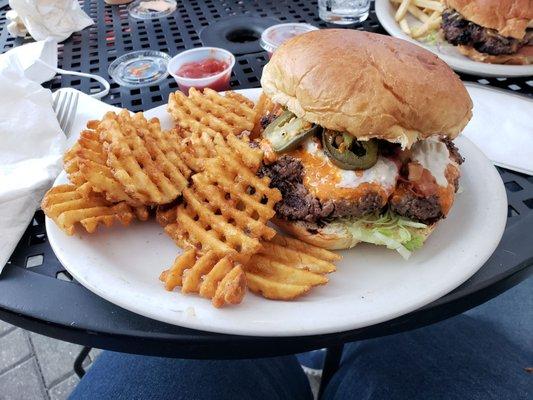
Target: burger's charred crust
267,119
424,209
459,31
454,151
286,174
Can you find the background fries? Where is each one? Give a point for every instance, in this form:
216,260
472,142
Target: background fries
428,12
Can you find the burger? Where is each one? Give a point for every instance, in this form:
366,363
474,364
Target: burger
492,31
359,140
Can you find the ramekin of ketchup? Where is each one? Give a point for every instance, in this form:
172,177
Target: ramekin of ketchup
202,67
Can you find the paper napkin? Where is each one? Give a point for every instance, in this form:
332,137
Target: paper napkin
43,19
31,148
502,127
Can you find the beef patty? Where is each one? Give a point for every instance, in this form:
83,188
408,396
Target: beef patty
459,31
412,206
286,174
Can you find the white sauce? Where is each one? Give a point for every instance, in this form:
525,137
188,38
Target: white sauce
384,173
311,146
433,155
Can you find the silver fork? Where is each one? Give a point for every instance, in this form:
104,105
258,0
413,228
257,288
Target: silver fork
65,106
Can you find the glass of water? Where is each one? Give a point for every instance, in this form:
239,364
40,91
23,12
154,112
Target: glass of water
343,12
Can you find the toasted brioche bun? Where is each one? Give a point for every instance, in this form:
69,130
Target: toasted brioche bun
327,237
508,17
523,57
369,85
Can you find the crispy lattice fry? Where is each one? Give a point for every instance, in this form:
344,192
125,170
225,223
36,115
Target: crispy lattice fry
198,147
209,275
252,157
67,207
71,166
304,251
166,214
86,166
287,268
89,142
144,159
226,210
211,112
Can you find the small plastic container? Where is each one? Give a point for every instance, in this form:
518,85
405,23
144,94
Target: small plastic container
276,35
219,81
139,68
144,9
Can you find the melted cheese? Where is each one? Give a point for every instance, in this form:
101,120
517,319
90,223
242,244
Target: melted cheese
326,181
433,155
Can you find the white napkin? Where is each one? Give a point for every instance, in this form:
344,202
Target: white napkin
57,19
31,148
502,127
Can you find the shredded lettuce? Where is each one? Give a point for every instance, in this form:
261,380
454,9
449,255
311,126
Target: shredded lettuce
388,229
431,38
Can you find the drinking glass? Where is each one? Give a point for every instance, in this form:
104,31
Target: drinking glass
343,12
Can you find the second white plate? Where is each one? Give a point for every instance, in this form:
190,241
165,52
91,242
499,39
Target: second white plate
385,11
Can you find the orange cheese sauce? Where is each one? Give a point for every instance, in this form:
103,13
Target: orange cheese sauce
447,194
322,177
425,184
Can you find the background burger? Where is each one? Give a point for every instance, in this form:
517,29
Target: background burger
493,31
358,138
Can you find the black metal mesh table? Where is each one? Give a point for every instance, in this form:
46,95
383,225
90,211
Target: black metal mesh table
38,294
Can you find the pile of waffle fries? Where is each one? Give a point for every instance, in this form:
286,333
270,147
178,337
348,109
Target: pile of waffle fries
200,181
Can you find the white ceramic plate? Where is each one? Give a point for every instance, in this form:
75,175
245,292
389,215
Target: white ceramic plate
371,285
385,11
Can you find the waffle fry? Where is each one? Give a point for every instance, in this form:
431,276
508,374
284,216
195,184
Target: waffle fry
71,166
287,268
88,142
67,207
86,167
145,160
166,214
209,275
226,210
198,147
252,157
211,112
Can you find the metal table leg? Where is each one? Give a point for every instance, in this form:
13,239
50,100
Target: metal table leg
78,362
331,365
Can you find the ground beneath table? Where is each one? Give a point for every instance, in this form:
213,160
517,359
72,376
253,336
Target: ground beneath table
36,367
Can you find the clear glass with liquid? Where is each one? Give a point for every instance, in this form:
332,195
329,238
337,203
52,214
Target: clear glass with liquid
343,12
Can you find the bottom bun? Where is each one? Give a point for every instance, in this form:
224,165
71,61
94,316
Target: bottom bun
332,236
320,237
523,57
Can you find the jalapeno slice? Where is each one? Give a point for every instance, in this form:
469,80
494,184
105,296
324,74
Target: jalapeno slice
347,153
287,131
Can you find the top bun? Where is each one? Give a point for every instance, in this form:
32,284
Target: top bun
509,17
369,85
